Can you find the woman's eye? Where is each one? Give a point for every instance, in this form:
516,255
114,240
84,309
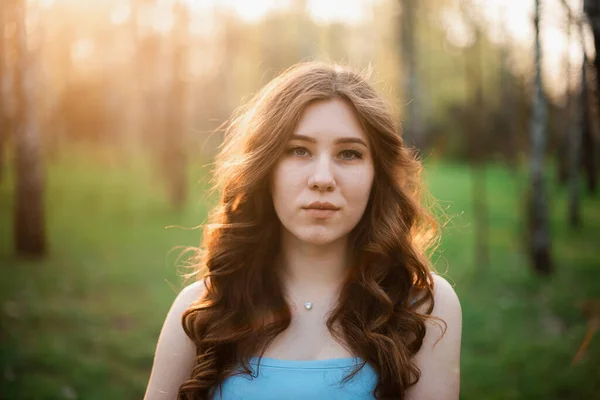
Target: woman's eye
350,155
299,151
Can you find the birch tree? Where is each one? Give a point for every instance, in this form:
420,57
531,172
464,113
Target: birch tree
538,205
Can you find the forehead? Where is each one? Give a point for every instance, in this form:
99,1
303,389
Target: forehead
330,118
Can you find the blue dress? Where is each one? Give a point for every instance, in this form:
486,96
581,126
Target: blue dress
300,379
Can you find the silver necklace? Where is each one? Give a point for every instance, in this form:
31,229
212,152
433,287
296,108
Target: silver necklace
307,305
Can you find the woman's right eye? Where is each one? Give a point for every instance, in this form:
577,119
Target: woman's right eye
299,151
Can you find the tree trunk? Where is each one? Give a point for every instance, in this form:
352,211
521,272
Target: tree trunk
576,141
132,128
592,9
538,207
4,98
477,155
413,129
589,152
29,223
509,113
174,156
151,62
563,147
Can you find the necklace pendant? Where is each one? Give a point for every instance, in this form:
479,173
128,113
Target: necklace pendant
308,305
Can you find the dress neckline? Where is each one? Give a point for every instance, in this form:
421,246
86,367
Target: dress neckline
307,364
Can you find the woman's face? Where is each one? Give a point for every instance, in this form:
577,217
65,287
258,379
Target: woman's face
321,184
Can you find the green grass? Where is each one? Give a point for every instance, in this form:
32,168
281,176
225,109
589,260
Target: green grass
84,322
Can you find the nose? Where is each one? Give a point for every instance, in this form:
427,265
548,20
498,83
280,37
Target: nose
322,177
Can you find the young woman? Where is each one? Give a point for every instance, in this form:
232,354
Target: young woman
313,281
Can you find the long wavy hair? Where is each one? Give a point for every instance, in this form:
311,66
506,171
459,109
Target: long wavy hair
243,307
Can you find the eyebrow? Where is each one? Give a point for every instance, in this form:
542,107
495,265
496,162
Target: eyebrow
337,141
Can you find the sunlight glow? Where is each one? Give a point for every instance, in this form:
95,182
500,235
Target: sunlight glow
350,11
249,11
82,49
120,14
45,3
507,22
323,11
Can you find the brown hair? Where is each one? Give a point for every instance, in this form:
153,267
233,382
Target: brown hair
244,309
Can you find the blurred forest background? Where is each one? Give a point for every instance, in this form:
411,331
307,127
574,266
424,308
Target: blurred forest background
109,112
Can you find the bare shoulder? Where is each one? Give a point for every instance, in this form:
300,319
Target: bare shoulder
191,293
445,298
439,356
186,297
175,351
446,302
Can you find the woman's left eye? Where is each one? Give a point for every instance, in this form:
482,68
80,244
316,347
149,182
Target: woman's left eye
350,155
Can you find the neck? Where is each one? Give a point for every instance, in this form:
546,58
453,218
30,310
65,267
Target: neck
312,269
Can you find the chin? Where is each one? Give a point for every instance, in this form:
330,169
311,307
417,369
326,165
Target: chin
318,237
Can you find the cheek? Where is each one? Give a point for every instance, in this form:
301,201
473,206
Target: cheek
358,186
286,180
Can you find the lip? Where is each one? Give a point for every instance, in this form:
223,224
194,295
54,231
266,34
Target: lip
317,205
320,213
321,210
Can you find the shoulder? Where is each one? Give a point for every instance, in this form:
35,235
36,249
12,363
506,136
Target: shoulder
445,297
439,356
446,302
446,313
191,293
175,351
172,329
186,298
